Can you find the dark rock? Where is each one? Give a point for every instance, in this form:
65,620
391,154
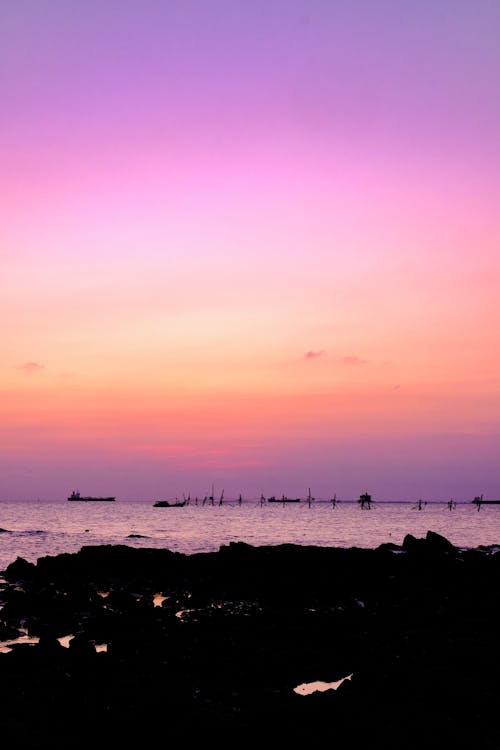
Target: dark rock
439,543
390,547
417,630
20,570
432,544
8,632
412,544
82,646
50,645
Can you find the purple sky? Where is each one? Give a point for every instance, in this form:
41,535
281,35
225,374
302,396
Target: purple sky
249,243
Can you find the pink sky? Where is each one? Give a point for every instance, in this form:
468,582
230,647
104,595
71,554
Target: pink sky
250,244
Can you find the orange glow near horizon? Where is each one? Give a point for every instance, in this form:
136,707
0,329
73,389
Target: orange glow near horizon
254,267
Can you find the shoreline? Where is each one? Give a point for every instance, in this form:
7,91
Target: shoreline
218,641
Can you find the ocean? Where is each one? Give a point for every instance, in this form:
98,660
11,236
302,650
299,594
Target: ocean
34,529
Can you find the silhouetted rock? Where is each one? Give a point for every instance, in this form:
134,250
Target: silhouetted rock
438,542
20,569
412,544
50,645
416,626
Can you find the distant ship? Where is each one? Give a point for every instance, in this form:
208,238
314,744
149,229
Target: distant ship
479,501
167,504
85,499
283,499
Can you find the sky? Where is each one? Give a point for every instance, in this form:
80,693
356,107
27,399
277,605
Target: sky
253,244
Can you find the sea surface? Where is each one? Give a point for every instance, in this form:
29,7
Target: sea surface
34,529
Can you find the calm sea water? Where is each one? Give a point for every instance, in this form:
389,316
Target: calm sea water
36,529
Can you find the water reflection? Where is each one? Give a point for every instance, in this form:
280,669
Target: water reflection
306,688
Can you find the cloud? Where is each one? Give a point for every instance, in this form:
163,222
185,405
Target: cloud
353,361
30,367
314,355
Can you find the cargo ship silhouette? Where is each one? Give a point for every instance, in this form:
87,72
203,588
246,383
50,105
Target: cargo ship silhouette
75,495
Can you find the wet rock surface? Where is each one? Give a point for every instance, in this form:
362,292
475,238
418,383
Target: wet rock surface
416,625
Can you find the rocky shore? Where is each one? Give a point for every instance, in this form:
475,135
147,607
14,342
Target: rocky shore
209,647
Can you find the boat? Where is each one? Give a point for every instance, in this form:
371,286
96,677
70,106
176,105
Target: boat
75,495
283,499
480,501
168,504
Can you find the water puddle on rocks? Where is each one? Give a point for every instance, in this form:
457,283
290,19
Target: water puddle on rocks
6,646
306,688
65,641
31,640
158,600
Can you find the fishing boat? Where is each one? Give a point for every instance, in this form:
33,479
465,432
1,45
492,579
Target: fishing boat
283,499
75,496
480,501
168,504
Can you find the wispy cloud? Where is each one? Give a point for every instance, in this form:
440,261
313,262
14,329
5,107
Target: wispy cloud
314,355
30,367
353,361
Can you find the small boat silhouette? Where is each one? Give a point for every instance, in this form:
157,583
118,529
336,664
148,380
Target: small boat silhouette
481,501
168,504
